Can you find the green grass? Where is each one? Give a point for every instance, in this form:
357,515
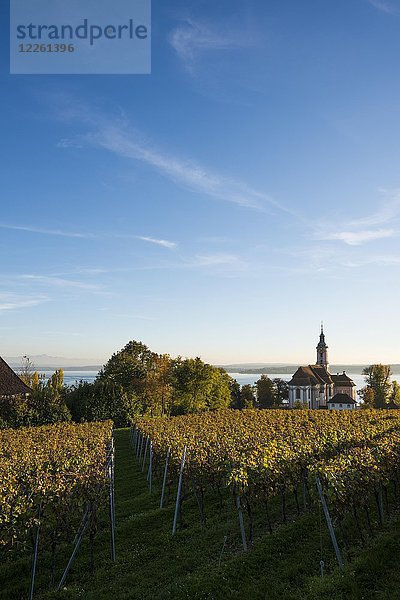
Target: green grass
151,564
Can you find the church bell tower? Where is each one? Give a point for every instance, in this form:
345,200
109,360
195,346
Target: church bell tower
322,350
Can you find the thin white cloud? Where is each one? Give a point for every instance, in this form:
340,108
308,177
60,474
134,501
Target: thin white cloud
12,301
163,243
192,39
60,282
356,238
40,230
380,261
189,174
130,316
388,212
91,236
117,136
213,260
68,143
365,229
331,259
388,6
89,271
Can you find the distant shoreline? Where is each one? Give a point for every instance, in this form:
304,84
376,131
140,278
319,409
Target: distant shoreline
83,368
268,369
290,369
40,368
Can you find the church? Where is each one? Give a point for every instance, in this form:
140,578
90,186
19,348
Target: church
315,387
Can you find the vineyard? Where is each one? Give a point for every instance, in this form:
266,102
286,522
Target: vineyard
264,455
53,482
255,467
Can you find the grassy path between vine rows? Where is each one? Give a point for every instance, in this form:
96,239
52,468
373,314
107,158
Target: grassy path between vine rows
151,564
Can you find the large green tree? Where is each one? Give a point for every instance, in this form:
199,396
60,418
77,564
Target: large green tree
281,390
395,393
156,388
235,394
376,392
220,390
45,404
48,399
102,400
129,367
247,396
142,374
138,381
266,392
198,386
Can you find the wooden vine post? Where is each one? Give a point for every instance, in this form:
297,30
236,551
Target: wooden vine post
329,523
165,477
178,495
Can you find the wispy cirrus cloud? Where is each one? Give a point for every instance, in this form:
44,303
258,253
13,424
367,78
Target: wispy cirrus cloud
356,238
157,242
365,228
12,301
217,260
55,232
192,39
134,316
388,212
118,136
89,236
68,143
378,260
122,142
89,271
391,7
59,282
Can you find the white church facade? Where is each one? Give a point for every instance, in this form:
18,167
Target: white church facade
317,388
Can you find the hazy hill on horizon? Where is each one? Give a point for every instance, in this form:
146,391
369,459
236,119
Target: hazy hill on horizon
289,368
44,361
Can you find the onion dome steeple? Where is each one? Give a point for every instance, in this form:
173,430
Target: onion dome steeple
322,350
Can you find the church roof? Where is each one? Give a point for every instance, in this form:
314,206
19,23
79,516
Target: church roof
341,399
10,383
311,375
341,379
322,373
303,376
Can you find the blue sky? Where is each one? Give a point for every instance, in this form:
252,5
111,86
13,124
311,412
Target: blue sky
221,206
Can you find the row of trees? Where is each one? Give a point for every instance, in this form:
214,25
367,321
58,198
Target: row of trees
266,393
137,381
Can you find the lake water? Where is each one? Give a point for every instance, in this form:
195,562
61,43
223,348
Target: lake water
251,378
70,377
